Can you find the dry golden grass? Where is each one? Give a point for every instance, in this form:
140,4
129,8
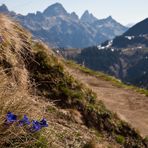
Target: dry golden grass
17,96
15,87
14,81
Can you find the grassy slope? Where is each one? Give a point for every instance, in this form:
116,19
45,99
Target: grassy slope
32,78
58,85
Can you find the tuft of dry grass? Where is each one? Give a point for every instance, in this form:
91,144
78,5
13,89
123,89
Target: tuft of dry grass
14,80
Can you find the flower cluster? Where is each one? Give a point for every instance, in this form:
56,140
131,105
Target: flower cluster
33,126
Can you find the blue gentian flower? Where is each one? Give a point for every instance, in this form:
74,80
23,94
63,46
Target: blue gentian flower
10,118
24,121
35,126
43,123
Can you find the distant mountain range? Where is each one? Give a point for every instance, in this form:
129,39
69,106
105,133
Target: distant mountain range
125,57
59,28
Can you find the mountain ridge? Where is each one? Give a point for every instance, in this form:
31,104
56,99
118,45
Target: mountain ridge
88,17
138,29
59,28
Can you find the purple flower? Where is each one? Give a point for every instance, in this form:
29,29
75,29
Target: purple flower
35,126
43,123
24,121
10,118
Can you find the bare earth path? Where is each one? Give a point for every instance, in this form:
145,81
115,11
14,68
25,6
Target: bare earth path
128,104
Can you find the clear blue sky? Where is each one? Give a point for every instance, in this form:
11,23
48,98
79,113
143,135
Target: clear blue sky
124,11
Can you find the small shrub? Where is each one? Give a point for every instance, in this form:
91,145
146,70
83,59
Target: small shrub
146,138
120,139
51,109
146,141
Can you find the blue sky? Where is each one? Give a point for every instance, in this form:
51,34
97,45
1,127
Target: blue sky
124,11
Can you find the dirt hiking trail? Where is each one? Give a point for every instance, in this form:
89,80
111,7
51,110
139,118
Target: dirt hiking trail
130,105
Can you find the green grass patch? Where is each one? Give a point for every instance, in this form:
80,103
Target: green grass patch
51,109
120,139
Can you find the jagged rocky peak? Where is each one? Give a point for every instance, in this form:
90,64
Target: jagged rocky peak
109,18
74,16
88,17
3,8
55,10
38,13
31,14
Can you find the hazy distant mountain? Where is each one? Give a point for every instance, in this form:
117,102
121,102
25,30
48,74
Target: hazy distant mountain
135,36
108,26
62,29
129,25
139,29
125,57
4,9
88,18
